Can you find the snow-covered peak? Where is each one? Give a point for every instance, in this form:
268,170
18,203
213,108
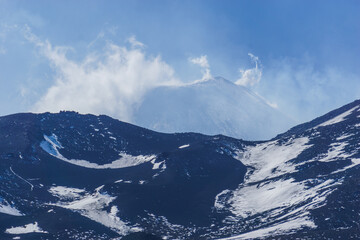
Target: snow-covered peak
212,80
213,106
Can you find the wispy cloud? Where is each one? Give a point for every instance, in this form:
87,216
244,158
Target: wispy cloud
100,35
303,90
202,61
252,76
5,29
112,82
135,43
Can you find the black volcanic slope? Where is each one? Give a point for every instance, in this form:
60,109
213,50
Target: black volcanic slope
72,176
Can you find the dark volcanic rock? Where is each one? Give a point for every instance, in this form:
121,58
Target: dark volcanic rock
73,176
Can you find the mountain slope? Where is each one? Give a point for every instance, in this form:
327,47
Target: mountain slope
215,106
306,178
72,176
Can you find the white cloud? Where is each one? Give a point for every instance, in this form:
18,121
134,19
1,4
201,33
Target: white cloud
135,43
204,64
252,76
112,82
201,61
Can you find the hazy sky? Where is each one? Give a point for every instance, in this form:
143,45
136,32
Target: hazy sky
308,52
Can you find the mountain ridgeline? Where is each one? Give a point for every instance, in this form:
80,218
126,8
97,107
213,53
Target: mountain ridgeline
73,176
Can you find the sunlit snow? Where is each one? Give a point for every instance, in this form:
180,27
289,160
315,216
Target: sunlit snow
184,146
52,146
268,196
28,228
338,118
272,158
6,208
92,206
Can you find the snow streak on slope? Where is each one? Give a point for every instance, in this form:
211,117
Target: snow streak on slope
338,118
6,208
271,231
335,152
51,146
92,206
354,162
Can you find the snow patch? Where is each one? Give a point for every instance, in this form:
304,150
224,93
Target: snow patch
66,192
92,206
335,152
159,165
28,228
184,146
280,206
51,146
271,158
276,196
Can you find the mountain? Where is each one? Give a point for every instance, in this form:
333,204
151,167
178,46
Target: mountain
72,176
214,106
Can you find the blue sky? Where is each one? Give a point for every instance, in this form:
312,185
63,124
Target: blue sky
308,50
